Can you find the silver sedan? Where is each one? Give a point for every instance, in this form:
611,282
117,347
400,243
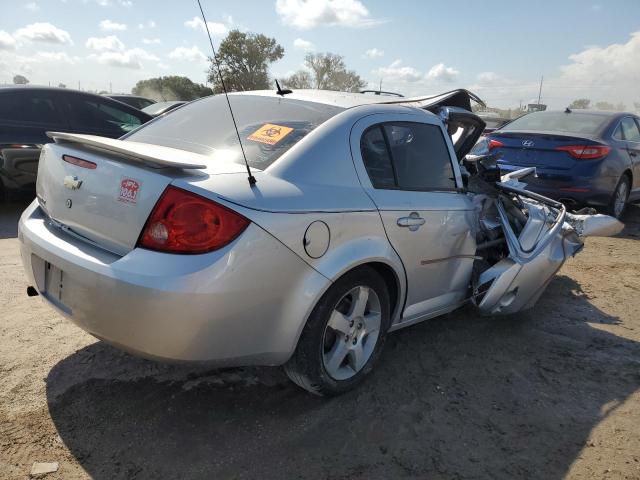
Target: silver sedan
359,217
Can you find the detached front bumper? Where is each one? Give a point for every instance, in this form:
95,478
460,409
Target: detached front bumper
244,304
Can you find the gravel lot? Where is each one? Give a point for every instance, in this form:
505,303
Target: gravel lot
551,393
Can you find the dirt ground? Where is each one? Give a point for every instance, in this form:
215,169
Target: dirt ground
551,393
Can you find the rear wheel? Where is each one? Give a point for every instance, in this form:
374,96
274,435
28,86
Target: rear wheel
619,198
343,336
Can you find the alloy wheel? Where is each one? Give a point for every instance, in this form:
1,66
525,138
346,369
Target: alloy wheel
351,333
620,199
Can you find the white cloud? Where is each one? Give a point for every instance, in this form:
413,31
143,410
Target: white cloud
300,44
109,3
374,53
59,57
43,32
7,42
126,59
33,6
441,72
216,29
151,41
109,26
190,54
396,72
305,14
149,24
602,73
110,43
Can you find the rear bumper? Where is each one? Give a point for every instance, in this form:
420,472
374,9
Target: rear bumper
245,304
573,191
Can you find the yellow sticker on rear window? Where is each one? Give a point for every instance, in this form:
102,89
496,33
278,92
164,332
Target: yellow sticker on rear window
270,133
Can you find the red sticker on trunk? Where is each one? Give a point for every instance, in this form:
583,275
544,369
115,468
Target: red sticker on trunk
129,189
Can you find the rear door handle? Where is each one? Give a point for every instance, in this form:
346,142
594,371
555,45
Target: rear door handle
413,222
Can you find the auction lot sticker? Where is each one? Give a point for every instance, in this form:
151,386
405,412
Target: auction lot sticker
270,134
129,189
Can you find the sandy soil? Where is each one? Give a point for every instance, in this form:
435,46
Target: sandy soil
551,393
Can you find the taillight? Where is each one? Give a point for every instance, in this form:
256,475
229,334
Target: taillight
183,222
495,144
79,162
586,152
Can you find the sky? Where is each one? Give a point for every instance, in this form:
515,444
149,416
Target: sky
497,49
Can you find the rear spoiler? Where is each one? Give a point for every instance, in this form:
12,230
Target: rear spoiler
152,155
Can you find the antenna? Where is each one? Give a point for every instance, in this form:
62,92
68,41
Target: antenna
251,178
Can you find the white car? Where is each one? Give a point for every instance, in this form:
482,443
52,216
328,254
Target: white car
359,223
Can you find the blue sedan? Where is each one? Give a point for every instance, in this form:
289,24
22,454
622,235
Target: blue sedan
582,157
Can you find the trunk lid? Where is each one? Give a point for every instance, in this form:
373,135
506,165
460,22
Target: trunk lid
108,200
538,149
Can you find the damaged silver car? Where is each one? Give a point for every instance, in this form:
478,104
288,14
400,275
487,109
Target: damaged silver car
301,238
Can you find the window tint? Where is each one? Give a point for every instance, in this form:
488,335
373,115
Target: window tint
618,133
94,114
376,158
420,156
268,127
630,129
559,122
28,107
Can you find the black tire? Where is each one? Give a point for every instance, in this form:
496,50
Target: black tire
611,208
306,367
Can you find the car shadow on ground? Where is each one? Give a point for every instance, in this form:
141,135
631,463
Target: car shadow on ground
10,212
461,396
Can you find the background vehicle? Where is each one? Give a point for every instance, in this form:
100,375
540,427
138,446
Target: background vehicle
159,108
492,120
135,101
358,224
582,157
26,113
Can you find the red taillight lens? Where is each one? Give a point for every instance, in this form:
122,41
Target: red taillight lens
495,144
183,222
79,162
586,152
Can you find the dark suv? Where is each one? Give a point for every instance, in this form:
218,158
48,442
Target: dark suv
26,113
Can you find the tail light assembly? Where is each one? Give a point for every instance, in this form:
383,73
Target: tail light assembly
586,152
187,223
495,144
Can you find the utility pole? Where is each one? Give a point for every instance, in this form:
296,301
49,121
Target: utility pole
540,91
78,84
380,87
110,87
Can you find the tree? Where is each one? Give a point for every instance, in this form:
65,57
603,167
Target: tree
636,105
62,85
605,106
244,61
170,88
300,79
580,103
20,80
621,107
326,71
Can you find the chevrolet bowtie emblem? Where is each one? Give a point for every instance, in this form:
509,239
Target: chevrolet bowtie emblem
72,182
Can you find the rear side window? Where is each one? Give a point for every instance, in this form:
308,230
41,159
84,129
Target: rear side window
95,114
28,108
630,129
268,127
407,156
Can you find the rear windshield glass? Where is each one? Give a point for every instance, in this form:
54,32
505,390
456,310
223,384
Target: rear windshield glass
558,122
268,127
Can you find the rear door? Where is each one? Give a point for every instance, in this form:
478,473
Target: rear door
101,116
407,167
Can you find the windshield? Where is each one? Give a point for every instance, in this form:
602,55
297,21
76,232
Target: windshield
558,121
268,126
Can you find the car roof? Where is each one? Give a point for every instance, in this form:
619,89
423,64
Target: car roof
584,111
345,100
